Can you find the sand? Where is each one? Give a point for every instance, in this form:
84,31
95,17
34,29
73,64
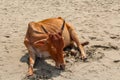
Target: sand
96,21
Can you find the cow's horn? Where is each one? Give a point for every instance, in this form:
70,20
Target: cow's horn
44,29
62,28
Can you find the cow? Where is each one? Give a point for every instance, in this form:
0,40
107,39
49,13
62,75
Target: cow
48,38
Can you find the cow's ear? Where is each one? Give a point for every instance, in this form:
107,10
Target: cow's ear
40,42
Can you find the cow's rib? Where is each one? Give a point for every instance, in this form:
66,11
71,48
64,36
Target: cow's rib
44,29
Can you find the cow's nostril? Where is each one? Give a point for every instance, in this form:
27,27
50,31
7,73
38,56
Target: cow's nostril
62,67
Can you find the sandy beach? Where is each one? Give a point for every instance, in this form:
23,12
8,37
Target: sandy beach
96,21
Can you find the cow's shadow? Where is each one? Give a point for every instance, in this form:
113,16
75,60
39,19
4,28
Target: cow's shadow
42,69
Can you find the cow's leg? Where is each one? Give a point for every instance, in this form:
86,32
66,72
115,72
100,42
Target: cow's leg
75,38
31,57
31,63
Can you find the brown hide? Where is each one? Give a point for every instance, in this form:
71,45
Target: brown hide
39,43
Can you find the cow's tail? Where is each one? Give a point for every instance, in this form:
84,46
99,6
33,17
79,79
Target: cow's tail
85,43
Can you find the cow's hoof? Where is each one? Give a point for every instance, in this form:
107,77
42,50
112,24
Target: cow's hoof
61,67
31,76
85,59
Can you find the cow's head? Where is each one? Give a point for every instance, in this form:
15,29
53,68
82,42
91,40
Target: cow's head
55,45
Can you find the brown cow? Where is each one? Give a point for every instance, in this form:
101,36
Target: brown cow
48,38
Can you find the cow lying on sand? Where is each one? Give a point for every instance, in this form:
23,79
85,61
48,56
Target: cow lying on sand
48,38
